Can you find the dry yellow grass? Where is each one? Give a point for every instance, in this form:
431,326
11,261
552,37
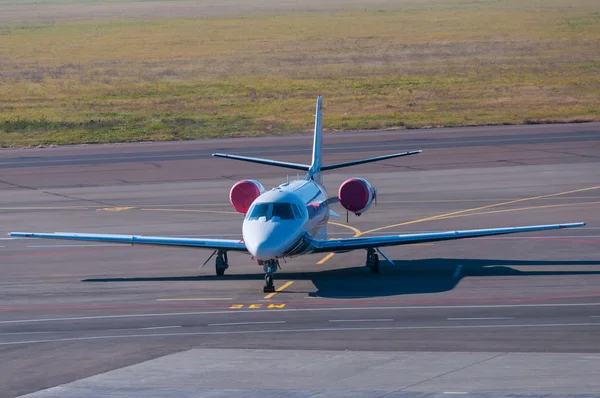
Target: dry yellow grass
410,64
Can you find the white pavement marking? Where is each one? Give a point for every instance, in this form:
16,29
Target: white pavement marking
244,323
456,392
361,320
480,319
159,327
254,311
459,268
347,329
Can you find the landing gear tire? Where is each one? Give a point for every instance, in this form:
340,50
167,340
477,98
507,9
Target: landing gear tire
269,286
373,262
270,268
375,266
221,263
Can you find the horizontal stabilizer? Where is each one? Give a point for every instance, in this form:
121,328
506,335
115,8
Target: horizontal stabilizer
368,160
333,213
295,166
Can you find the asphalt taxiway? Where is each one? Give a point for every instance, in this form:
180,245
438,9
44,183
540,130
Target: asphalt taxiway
73,310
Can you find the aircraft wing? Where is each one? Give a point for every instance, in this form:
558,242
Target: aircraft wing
215,244
341,245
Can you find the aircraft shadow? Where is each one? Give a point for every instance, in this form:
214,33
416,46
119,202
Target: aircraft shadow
406,277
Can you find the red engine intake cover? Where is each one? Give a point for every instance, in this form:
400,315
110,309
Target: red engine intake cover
355,194
243,193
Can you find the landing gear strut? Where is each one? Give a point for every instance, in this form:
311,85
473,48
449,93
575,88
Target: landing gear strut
221,263
270,267
372,261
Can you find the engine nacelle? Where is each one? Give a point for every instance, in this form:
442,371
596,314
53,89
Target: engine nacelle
244,193
356,195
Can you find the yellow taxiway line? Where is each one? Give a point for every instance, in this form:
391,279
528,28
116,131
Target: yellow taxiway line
279,289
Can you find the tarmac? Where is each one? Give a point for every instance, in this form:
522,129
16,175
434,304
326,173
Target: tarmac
499,316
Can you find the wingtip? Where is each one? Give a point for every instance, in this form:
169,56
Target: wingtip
575,224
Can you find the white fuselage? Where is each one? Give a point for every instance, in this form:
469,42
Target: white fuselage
279,219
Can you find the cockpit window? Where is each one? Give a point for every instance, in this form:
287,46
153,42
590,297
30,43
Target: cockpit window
297,212
283,211
259,210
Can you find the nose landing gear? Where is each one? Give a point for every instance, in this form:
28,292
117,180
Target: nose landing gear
270,267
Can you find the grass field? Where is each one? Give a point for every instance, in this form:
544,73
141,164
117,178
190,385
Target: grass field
402,63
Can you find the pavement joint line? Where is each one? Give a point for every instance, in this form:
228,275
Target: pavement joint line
160,327
307,330
362,320
367,146
223,205
321,309
193,211
279,289
491,318
246,323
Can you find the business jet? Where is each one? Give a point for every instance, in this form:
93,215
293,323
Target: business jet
291,220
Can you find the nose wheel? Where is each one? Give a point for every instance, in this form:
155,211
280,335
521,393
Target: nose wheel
270,268
269,286
372,261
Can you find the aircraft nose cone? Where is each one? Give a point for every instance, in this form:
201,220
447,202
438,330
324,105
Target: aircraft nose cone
262,242
264,252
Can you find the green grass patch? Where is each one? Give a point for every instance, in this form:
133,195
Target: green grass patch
408,64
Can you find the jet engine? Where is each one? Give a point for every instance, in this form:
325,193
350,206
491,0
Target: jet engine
356,195
243,193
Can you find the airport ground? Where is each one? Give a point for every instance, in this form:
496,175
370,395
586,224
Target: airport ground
512,314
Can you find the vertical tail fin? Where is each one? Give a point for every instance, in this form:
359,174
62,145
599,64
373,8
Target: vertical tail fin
315,166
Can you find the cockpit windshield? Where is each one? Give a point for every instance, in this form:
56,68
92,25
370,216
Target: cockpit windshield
283,211
259,210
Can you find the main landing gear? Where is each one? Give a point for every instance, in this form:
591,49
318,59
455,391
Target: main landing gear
372,261
270,267
221,263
